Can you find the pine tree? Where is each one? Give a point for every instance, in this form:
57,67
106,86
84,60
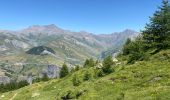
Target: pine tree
91,62
22,83
86,63
13,85
36,80
64,71
126,49
108,65
157,32
2,87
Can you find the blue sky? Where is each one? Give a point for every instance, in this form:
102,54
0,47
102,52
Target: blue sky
96,16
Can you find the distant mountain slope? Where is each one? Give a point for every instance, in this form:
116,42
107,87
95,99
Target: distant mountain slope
72,47
39,50
11,44
144,80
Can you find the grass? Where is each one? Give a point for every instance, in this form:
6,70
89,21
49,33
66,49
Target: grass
144,80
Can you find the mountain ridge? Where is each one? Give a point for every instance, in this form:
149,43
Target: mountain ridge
70,47
51,35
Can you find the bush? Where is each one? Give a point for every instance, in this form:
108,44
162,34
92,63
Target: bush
87,76
73,95
75,80
68,96
77,67
134,57
108,65
121,96
136,50
99,73
45,77
137,56
37,80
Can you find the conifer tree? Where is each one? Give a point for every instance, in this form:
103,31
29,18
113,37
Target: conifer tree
64,71
126,48
86,63
157,32
89,63
108,65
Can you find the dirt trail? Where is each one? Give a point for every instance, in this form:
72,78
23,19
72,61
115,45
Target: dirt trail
13,96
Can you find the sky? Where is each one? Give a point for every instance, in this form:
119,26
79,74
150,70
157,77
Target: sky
95,16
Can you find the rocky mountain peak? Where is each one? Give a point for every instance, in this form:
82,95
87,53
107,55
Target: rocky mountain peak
51,26
44,29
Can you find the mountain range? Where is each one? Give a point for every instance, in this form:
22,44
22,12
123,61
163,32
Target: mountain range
69,46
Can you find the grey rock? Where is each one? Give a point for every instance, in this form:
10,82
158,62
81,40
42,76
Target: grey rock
4,79
52,71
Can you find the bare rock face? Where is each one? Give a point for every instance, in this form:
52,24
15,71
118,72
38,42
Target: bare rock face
52,71
4,79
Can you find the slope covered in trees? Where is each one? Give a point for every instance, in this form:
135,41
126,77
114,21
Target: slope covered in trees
39,50
154,38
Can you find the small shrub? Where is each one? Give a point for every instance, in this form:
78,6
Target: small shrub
77,68
100,73
121,96
68,96
108,65
45,77
72,95
75,80
87,76
137,56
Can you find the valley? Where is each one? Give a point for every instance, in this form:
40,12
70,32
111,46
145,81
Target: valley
46,62
37,46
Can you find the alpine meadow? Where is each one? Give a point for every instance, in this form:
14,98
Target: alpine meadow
39,60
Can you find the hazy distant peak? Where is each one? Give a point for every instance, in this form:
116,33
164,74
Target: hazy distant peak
130,30
85,33
51,26
44,29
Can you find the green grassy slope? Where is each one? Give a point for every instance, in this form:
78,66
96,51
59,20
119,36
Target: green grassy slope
144,80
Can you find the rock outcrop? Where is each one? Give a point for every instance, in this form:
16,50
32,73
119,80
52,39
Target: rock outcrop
4,79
